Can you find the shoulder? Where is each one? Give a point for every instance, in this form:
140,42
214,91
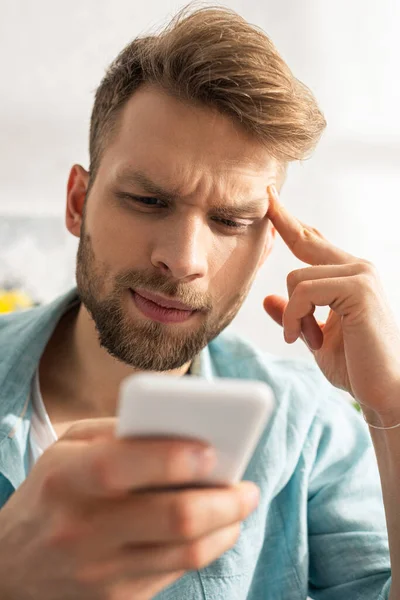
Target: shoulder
16,333
235,356
24,335
313,429
315,425
14,321
15,325
25,326
305,400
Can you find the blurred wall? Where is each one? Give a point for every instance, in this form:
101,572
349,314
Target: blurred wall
53,55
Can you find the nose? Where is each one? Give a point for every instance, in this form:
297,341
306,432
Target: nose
181,248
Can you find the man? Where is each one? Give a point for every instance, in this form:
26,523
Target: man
191,133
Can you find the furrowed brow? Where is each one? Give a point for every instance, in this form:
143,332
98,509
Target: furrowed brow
252,208
133,178
150,187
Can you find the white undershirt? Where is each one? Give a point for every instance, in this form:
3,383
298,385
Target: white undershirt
42,433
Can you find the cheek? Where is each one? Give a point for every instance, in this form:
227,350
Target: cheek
235,265
117,239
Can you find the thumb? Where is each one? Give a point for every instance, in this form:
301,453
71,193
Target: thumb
311,329
275,307
89,429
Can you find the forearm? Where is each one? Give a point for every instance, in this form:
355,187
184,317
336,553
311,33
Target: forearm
387,449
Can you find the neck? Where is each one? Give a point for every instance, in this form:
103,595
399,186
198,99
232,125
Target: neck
81,373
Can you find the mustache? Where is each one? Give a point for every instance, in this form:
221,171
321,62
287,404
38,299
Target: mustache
157,283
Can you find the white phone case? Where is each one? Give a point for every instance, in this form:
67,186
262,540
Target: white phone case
229,414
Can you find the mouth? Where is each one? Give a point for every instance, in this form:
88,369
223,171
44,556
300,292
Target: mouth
161,309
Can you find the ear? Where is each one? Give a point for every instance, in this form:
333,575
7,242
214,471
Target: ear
76,193
269,244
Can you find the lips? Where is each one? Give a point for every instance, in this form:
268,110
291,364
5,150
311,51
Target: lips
164,302
157,312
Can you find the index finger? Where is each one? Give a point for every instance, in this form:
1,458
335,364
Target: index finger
114,467
306,243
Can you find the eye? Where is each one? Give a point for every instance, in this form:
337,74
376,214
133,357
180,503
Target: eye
232,224
147,200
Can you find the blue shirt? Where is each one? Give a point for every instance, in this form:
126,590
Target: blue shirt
319,529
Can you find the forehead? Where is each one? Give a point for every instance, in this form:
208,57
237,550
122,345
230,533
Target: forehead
178,142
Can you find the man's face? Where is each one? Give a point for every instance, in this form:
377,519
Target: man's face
177,209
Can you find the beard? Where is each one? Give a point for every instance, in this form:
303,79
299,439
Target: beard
146,345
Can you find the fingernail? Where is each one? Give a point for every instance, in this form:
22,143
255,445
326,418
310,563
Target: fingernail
275,194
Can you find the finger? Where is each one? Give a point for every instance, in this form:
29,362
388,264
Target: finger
311,328
275,307
88,429
111,467
322,272
139,587
168,516
306,242
337,293
311,332
135,562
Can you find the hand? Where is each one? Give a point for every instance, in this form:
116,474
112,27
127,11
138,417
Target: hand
89,523
358,348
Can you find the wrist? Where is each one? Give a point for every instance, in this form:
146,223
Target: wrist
382,419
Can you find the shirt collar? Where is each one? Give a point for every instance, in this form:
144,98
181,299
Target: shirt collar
27,336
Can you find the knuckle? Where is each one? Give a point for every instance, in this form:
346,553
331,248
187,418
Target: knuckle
291,279
172,466
368,268
201,552
101,470
65,531
303,287
368,275
182,518
366,284
51,469
51,476
50,484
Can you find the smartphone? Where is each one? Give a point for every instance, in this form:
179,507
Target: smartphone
228,414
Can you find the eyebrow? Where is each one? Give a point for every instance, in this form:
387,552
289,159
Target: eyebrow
140,178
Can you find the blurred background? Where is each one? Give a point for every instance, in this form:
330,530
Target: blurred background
53,54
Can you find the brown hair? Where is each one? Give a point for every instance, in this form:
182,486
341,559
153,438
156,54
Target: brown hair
214,57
